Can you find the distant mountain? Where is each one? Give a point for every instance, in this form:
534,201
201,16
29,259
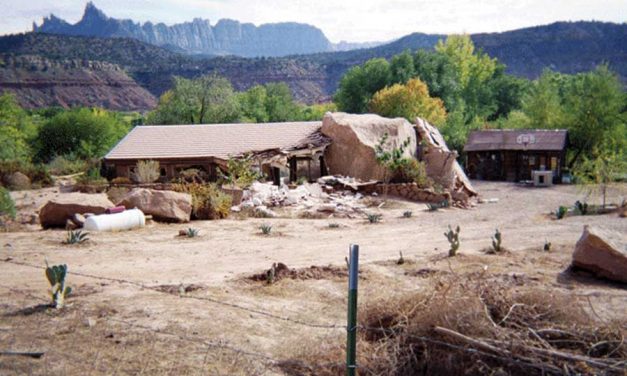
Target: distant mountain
568,47
347,46
39,82
227,37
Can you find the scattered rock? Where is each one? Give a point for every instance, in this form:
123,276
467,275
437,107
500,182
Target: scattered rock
58,210
441,163
328,208
603,253
166,206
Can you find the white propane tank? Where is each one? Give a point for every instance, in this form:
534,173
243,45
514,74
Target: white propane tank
126,220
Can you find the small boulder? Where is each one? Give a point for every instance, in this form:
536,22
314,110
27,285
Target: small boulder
64,206
18,181
166,206
603,253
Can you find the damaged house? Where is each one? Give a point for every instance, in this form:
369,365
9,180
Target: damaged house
293,149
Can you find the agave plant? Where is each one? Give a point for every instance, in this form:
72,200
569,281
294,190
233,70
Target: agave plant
76,237
266,229
374,218
56,277
192,232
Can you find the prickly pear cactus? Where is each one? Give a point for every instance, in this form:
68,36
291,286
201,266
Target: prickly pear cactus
58,291
453,239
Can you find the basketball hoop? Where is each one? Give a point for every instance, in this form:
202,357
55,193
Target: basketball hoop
526,139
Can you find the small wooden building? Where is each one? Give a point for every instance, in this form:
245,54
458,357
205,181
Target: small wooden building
512,154
293,149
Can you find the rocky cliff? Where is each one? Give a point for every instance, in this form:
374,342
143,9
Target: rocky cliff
227,37
40,82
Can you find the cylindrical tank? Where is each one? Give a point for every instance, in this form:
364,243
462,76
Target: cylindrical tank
127,220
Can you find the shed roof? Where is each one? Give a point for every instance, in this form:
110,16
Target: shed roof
215,140
517,139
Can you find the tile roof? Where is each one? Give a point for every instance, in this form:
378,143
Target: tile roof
517,139
213,140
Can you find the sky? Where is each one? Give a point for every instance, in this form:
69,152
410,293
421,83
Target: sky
349,20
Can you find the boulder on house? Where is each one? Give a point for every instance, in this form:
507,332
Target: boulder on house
603,253
64,206
354,139
166,206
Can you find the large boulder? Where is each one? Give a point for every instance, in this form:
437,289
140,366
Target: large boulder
602,252
166,206
441,163
64,206
352,152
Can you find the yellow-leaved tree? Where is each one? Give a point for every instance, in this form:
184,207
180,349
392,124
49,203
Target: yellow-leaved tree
409,101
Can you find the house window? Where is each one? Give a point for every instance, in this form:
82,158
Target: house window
162,171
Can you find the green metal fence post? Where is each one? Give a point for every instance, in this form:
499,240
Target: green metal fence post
351,328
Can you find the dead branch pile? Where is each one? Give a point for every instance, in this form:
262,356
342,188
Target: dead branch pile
481,324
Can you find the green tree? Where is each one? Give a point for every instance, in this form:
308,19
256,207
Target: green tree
543,103
596,174
359,84
280,105
253,105
16,130
401,68
83,132
409,101
207,99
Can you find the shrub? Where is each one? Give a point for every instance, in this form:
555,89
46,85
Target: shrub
265,229
561,212
121,180
58,291
146,172
66,165
547,246
407,214
413,171
208,201
240,172
453,239
116,194
91,177
76,237
7,206
193,175
374,218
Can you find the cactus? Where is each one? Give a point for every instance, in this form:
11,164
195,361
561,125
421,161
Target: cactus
265,229
56,277
271,274
496,242
374,218
401,260
582,207
76,237
453,239
407,214
547,246
192,232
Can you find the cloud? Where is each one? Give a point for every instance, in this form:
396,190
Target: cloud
352,20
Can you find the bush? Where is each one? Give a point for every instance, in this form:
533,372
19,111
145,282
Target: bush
121,180
146,172
413,171
116,194
208,201
91,177
7,206
66,165
193,175
240,172
37,173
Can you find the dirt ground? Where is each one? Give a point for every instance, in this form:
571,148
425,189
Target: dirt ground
149,302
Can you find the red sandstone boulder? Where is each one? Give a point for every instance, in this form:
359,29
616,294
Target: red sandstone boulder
57,211
166,206
603,253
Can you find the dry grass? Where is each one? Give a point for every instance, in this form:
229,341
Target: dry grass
475,324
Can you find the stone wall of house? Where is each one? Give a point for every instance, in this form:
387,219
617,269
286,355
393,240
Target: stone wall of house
411,191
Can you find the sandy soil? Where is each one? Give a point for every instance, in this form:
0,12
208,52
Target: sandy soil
119,323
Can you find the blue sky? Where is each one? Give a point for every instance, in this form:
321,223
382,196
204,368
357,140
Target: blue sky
351,20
